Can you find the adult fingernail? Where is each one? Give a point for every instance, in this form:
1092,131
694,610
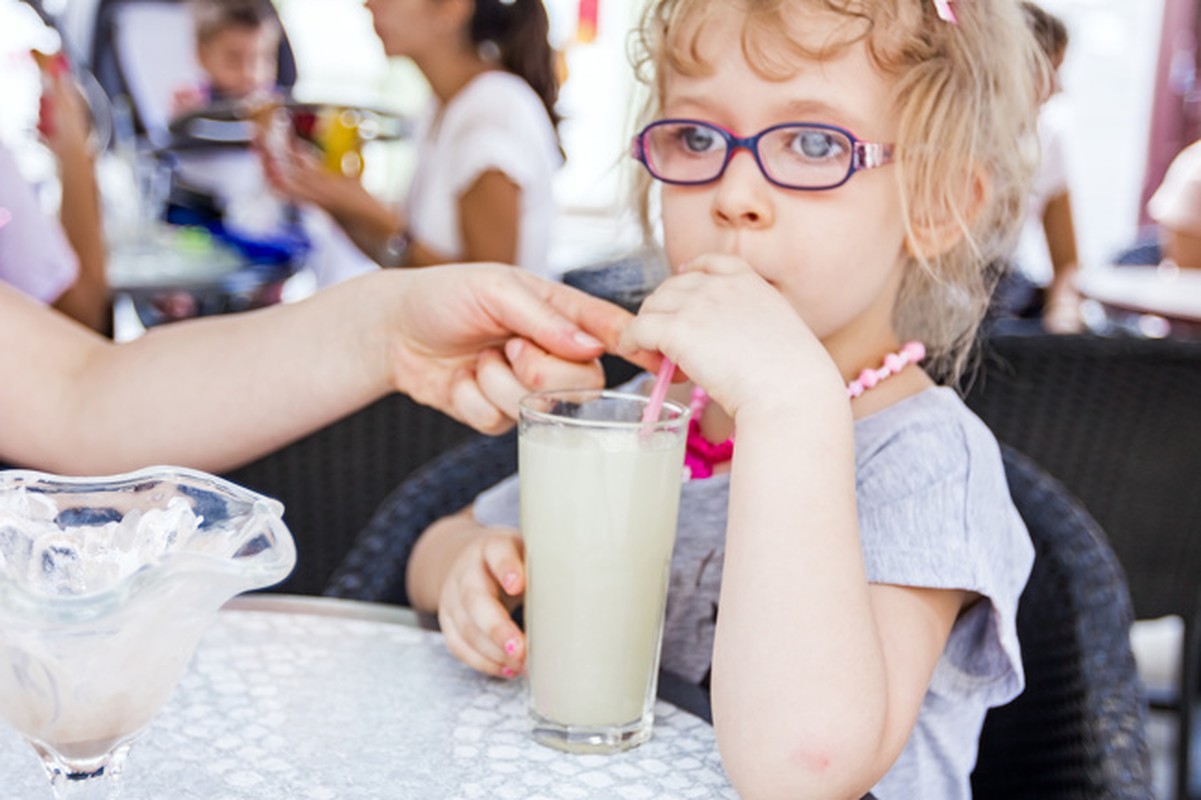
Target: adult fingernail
510,582
511,646
513,349
507,672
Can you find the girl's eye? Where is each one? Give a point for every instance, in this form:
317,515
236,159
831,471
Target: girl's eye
818,145
696,139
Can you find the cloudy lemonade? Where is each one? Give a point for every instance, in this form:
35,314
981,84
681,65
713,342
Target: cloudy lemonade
598,515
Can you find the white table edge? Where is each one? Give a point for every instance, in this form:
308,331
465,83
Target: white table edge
324,607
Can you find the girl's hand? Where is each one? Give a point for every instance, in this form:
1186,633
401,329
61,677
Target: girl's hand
483,586
733,333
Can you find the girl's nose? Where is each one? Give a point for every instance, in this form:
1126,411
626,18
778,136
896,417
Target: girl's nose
743,196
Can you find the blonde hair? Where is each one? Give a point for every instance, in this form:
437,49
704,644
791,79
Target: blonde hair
966,98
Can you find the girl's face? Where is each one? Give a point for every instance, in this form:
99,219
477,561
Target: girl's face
836,255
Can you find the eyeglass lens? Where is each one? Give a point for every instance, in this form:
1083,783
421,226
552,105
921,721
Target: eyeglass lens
798,156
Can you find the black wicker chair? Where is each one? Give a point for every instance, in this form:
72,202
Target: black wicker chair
1078,731
333,480
374,567
1118,422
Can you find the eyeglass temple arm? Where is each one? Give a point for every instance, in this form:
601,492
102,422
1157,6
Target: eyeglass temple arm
871,154
636,150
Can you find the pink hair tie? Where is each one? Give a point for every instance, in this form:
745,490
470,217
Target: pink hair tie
945,12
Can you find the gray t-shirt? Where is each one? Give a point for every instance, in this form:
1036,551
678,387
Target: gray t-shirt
934,511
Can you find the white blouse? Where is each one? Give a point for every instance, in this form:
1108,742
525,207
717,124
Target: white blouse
495,122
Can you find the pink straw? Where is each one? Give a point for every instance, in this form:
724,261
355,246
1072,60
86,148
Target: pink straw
659,392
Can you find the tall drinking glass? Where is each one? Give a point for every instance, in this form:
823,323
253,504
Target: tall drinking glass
106,587
600,490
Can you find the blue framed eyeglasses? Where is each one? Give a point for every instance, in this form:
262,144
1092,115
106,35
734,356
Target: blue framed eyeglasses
794,155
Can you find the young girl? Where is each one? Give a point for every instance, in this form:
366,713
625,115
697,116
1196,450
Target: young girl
833,177
487,148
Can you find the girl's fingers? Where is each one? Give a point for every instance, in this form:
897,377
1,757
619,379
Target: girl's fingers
503,558
491,631
463,651
497,382
482,623
472,407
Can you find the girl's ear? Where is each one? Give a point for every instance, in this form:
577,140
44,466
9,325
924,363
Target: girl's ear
945,225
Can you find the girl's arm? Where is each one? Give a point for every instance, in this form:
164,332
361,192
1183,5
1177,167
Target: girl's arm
216,392
63,123
817,676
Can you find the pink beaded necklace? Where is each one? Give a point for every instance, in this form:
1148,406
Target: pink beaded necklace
702,455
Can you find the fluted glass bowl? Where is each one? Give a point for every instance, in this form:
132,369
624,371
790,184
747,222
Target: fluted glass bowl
106,586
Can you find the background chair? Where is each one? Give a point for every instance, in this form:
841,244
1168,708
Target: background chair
1118,422
332,481
374,567
1078,731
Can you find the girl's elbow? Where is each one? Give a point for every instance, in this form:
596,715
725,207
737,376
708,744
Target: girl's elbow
824,771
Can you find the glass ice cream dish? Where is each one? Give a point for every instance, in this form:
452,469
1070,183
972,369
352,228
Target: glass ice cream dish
107,585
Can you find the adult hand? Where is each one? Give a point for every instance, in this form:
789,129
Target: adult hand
294,170
476,338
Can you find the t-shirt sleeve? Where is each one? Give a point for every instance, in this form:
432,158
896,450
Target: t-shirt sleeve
502,132
935,512
499,505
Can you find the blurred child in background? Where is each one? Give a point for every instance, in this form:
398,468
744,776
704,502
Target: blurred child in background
237,47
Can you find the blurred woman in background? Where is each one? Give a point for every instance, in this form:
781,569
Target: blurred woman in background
487,146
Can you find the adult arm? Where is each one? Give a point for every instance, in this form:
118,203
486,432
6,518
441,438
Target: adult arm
489,211
489,221
63,123
216,392
1182,247
86,300
1062,312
